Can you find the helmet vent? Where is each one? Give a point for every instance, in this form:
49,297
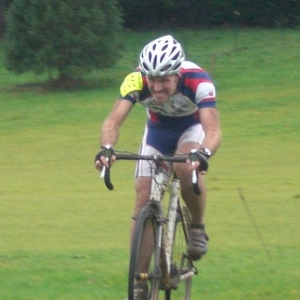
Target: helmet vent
176,56
145,67
177,66
162,57
155,62
164,47
167,67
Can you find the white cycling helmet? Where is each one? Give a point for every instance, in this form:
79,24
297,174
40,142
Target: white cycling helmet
162,56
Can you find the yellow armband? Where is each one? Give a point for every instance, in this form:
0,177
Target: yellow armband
132,82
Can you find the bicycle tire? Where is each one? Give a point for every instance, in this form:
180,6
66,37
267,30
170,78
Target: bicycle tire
181,264
145,255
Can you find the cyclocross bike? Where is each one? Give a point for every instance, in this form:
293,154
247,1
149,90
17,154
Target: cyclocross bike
158,255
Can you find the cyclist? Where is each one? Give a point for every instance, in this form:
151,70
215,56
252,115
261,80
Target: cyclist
180,100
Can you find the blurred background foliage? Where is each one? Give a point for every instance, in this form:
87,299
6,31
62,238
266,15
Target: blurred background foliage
200,13
66,39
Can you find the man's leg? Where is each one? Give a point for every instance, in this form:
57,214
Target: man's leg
195,203
142,188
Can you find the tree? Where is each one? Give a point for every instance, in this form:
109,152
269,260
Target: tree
3,6
67,37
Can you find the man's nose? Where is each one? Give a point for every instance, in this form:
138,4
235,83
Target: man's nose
156,86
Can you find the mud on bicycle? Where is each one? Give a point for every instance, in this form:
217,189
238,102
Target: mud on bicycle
159,262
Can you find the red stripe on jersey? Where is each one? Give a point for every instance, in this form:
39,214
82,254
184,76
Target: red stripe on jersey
153,116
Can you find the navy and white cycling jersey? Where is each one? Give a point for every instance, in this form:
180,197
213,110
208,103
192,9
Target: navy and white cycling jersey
168,121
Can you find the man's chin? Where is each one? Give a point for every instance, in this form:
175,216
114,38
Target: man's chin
160,100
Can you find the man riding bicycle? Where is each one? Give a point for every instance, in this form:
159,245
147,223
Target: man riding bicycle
180,100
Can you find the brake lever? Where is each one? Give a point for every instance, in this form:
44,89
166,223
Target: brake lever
105,172
193,158
196,187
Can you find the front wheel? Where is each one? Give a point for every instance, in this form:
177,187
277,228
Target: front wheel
144,270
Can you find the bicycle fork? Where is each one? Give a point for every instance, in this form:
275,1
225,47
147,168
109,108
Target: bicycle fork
174,208
172,215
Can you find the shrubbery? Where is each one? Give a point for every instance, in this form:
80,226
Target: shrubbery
68,38
64,37
208,13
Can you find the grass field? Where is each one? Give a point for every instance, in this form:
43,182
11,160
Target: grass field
64,236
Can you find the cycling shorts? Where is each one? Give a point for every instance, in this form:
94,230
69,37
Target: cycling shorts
165,141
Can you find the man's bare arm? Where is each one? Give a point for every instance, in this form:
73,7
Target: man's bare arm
211,125
111,126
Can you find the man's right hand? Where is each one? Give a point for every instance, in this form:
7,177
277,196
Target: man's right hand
104,158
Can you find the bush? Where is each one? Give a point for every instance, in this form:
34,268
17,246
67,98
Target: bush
69,37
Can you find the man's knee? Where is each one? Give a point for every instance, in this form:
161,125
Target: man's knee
142,188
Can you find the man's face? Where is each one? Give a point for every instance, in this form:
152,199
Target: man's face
162,87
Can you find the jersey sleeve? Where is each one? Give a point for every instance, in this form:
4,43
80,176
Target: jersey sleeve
198,86
206,95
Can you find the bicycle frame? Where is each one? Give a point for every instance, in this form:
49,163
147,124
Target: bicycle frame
159,185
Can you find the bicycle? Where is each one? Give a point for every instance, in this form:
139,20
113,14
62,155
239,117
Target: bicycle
158,255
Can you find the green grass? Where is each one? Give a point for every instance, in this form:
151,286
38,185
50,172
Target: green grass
64,236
